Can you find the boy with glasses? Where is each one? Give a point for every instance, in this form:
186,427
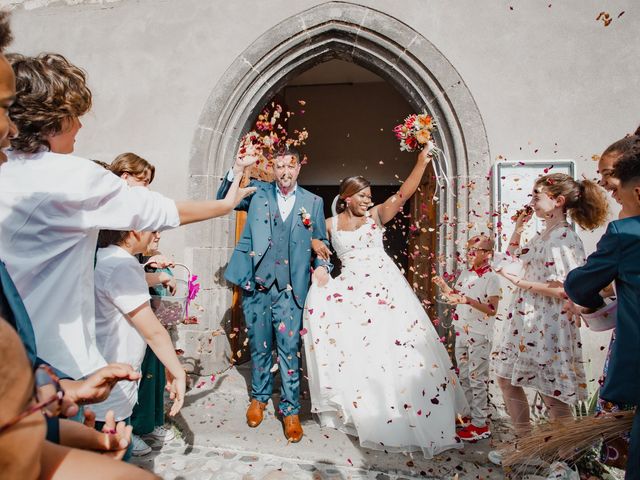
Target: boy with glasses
476,295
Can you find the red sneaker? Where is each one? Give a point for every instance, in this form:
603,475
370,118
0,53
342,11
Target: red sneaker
462,422
471,433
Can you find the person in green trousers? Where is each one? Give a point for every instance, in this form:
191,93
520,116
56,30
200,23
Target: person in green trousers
148,415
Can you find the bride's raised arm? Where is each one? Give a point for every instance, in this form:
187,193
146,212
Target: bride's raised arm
390,208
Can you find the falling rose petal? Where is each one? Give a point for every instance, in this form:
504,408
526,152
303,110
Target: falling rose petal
281,327
304,331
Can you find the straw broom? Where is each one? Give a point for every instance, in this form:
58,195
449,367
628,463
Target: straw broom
565,439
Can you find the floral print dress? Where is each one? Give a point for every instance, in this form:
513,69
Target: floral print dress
540,348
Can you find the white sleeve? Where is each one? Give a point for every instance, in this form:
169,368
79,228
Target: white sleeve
565,253
111,204
493,286
230,175
127,287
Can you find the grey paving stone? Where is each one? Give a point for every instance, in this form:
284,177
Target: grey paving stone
249,459
307,467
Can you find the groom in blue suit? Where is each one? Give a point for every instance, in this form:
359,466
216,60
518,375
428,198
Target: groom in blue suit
271,264
617,258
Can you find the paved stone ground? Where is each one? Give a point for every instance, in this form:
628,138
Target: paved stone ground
215,442
177,460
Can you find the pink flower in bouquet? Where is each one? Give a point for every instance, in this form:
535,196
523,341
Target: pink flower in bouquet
416,130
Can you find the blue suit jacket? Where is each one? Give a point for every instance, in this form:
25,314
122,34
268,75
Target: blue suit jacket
617,257
262,208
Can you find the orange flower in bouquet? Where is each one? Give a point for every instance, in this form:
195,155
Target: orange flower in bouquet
415,132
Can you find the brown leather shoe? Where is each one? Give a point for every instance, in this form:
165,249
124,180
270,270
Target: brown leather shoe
255,412
292,428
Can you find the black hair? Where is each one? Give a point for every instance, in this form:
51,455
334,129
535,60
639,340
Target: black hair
5,31
627,170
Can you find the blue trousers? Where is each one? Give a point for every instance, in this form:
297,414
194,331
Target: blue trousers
271,315
633,464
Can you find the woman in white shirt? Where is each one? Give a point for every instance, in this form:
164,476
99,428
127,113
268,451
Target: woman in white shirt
53,204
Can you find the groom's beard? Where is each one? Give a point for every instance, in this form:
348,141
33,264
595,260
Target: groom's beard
285,189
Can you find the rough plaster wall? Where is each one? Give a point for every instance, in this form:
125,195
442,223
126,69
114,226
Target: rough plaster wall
550,81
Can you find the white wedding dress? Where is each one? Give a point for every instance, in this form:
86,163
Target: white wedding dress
375,364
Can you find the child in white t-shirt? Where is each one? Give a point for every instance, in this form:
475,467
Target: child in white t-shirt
476,294
125,323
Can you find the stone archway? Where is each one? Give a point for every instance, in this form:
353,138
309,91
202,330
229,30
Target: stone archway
351,32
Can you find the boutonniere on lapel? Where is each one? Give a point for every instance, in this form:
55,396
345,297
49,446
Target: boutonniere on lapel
306,218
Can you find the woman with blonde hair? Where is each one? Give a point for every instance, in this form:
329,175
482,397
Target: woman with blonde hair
133,169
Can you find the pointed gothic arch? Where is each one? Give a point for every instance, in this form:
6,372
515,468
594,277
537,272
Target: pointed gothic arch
354,33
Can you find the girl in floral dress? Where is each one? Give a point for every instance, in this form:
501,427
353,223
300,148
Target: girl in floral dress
540,346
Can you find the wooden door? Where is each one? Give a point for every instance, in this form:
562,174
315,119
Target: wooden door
239,351
422,250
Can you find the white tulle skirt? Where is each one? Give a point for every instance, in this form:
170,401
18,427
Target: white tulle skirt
375,364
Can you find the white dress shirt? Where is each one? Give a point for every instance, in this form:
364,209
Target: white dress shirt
51,209
286,202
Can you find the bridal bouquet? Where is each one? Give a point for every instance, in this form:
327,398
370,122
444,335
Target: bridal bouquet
415,132
267,138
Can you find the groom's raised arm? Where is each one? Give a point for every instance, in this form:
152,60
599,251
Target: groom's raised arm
320,232
224,188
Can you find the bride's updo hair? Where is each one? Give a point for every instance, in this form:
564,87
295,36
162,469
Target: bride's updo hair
348,187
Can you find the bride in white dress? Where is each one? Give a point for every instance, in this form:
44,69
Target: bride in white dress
375,364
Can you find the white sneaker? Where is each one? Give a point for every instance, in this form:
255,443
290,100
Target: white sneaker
495,457
562,471
162,433
140,447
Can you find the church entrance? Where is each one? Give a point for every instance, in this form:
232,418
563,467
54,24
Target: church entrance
375,64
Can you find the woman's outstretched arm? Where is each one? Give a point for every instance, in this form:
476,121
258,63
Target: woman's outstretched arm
390,208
